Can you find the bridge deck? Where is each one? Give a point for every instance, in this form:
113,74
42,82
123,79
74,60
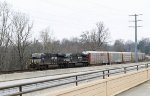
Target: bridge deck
140,90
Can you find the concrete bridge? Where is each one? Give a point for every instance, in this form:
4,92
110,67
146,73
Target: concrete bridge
107,87
105,82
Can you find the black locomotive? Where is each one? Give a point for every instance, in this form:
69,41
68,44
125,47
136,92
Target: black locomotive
57,60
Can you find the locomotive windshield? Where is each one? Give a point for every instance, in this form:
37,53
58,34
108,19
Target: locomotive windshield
37,55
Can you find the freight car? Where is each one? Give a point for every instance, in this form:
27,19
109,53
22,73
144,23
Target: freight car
97,57
86,58
104,57
115,57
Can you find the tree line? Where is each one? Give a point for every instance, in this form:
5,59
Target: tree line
16,44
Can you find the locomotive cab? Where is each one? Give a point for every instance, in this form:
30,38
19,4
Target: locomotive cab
36,59
79,59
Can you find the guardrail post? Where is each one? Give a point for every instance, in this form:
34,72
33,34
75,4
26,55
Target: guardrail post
76,81
103,74
146,65
20,90
137,67
108,73
125,71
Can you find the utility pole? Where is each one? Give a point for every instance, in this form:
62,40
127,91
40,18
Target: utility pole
135,26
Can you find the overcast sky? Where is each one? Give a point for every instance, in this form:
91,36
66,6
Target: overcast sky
69,18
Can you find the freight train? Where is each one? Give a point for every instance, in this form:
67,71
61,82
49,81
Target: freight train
86,58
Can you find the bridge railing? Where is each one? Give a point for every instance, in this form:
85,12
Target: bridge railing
77,78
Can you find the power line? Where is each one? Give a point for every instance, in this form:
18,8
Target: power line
135,26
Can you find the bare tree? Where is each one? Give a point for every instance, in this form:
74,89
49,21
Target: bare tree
102,32
85,41
46,40
36,46
144,45
129,46
21,34
119,45
96,38
5,33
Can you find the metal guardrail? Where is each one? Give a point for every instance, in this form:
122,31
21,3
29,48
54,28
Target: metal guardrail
104,73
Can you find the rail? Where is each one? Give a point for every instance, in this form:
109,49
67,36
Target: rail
76,79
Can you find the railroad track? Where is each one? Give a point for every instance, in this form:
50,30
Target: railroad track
33,70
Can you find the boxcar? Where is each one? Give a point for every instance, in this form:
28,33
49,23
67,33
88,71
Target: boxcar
115,57
97,57
141,56
127,56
